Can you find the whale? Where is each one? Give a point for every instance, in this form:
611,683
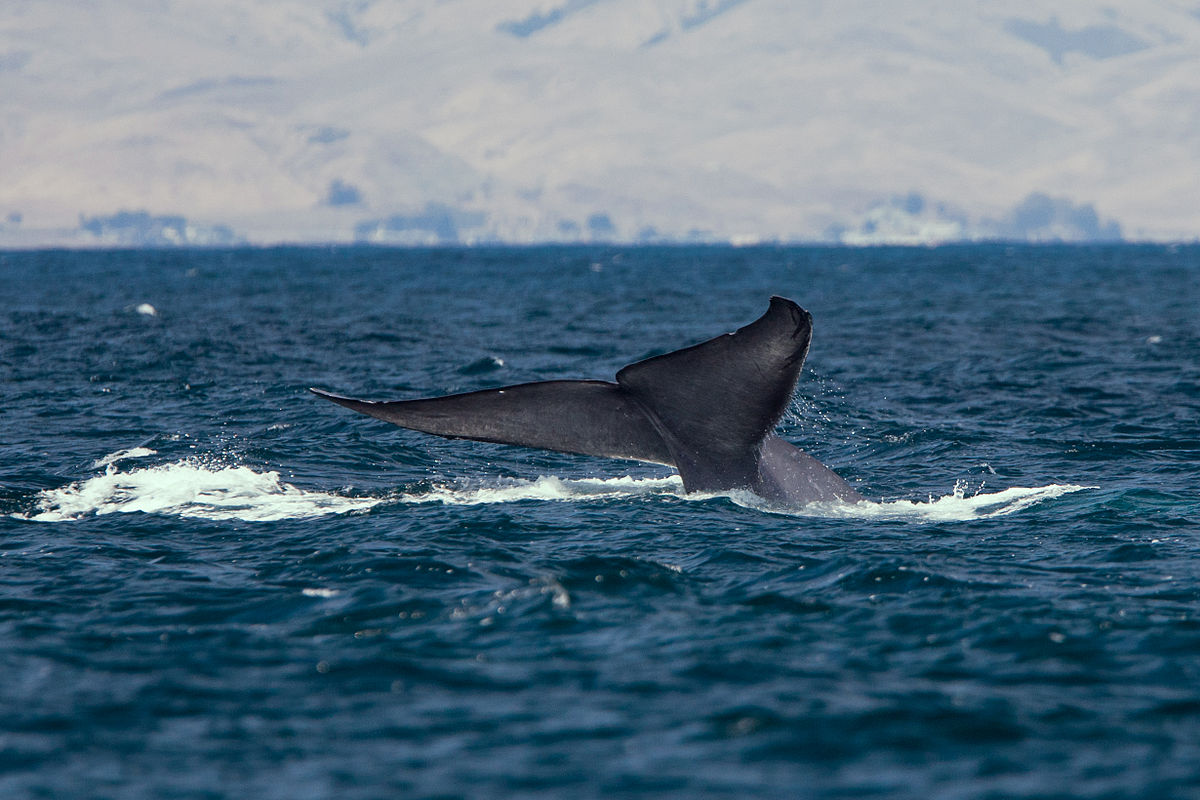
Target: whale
709,411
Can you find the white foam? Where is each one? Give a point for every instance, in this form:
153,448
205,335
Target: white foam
548,487
193,490
121,455
147,310
196,490
954,507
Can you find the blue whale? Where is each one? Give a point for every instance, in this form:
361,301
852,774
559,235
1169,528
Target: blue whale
709,411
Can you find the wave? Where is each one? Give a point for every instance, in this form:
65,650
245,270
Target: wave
953,507
547,487
193,490
198,490
122,455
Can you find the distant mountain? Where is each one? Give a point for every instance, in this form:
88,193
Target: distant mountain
595,120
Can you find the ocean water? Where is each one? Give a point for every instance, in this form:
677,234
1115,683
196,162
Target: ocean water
214,584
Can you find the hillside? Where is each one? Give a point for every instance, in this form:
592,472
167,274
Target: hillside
708,120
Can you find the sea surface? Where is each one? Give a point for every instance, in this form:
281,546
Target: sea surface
215,584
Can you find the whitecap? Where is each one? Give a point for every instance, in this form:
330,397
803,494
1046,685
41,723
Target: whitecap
188,489
953,507
121,455
548,487
195,490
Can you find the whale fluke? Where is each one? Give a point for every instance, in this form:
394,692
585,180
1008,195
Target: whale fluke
592,418
708,410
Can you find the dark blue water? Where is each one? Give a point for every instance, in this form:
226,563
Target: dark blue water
214,584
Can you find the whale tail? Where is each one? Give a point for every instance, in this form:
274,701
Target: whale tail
591,418
708,410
